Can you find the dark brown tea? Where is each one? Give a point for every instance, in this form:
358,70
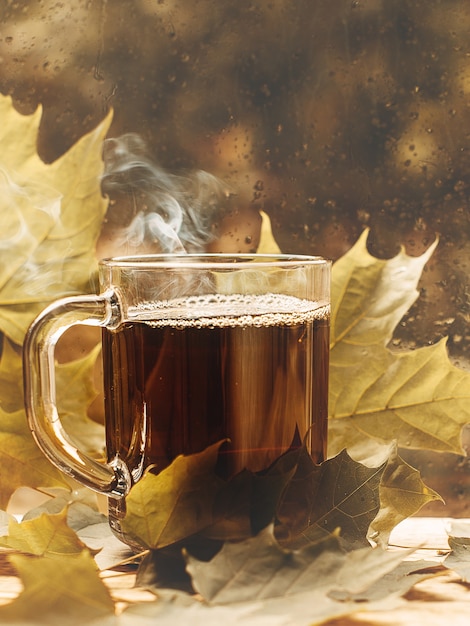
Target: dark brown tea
175,385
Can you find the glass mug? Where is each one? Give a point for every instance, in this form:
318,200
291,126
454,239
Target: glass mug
196,349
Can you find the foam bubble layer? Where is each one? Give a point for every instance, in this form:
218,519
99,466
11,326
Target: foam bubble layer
230,310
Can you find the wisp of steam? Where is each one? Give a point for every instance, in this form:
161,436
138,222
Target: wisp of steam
170,212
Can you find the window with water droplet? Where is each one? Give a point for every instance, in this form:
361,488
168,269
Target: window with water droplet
329,117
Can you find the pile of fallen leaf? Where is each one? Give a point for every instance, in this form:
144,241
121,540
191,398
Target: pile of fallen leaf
255,581
292,544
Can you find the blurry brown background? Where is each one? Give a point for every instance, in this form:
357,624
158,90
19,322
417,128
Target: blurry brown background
330,115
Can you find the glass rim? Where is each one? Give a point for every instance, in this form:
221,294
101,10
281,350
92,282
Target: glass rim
219,260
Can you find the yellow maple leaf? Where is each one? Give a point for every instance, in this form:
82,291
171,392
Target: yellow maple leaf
27,466
46,535
50,219
267,243
58,591
21,461
417,398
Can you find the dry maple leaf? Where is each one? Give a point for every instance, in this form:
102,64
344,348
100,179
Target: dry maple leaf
338,494
50,219
21,461
257,582
177,502
11,378
417,398
361,501
402,494
459,541
27,465
267,244
46,535
60,591
259,570
187,506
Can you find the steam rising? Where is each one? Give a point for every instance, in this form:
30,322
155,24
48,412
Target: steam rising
168,212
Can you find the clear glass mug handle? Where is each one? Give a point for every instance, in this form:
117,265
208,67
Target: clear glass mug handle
111,479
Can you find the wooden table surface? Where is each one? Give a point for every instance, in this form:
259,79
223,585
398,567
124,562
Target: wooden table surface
443,600
440,601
